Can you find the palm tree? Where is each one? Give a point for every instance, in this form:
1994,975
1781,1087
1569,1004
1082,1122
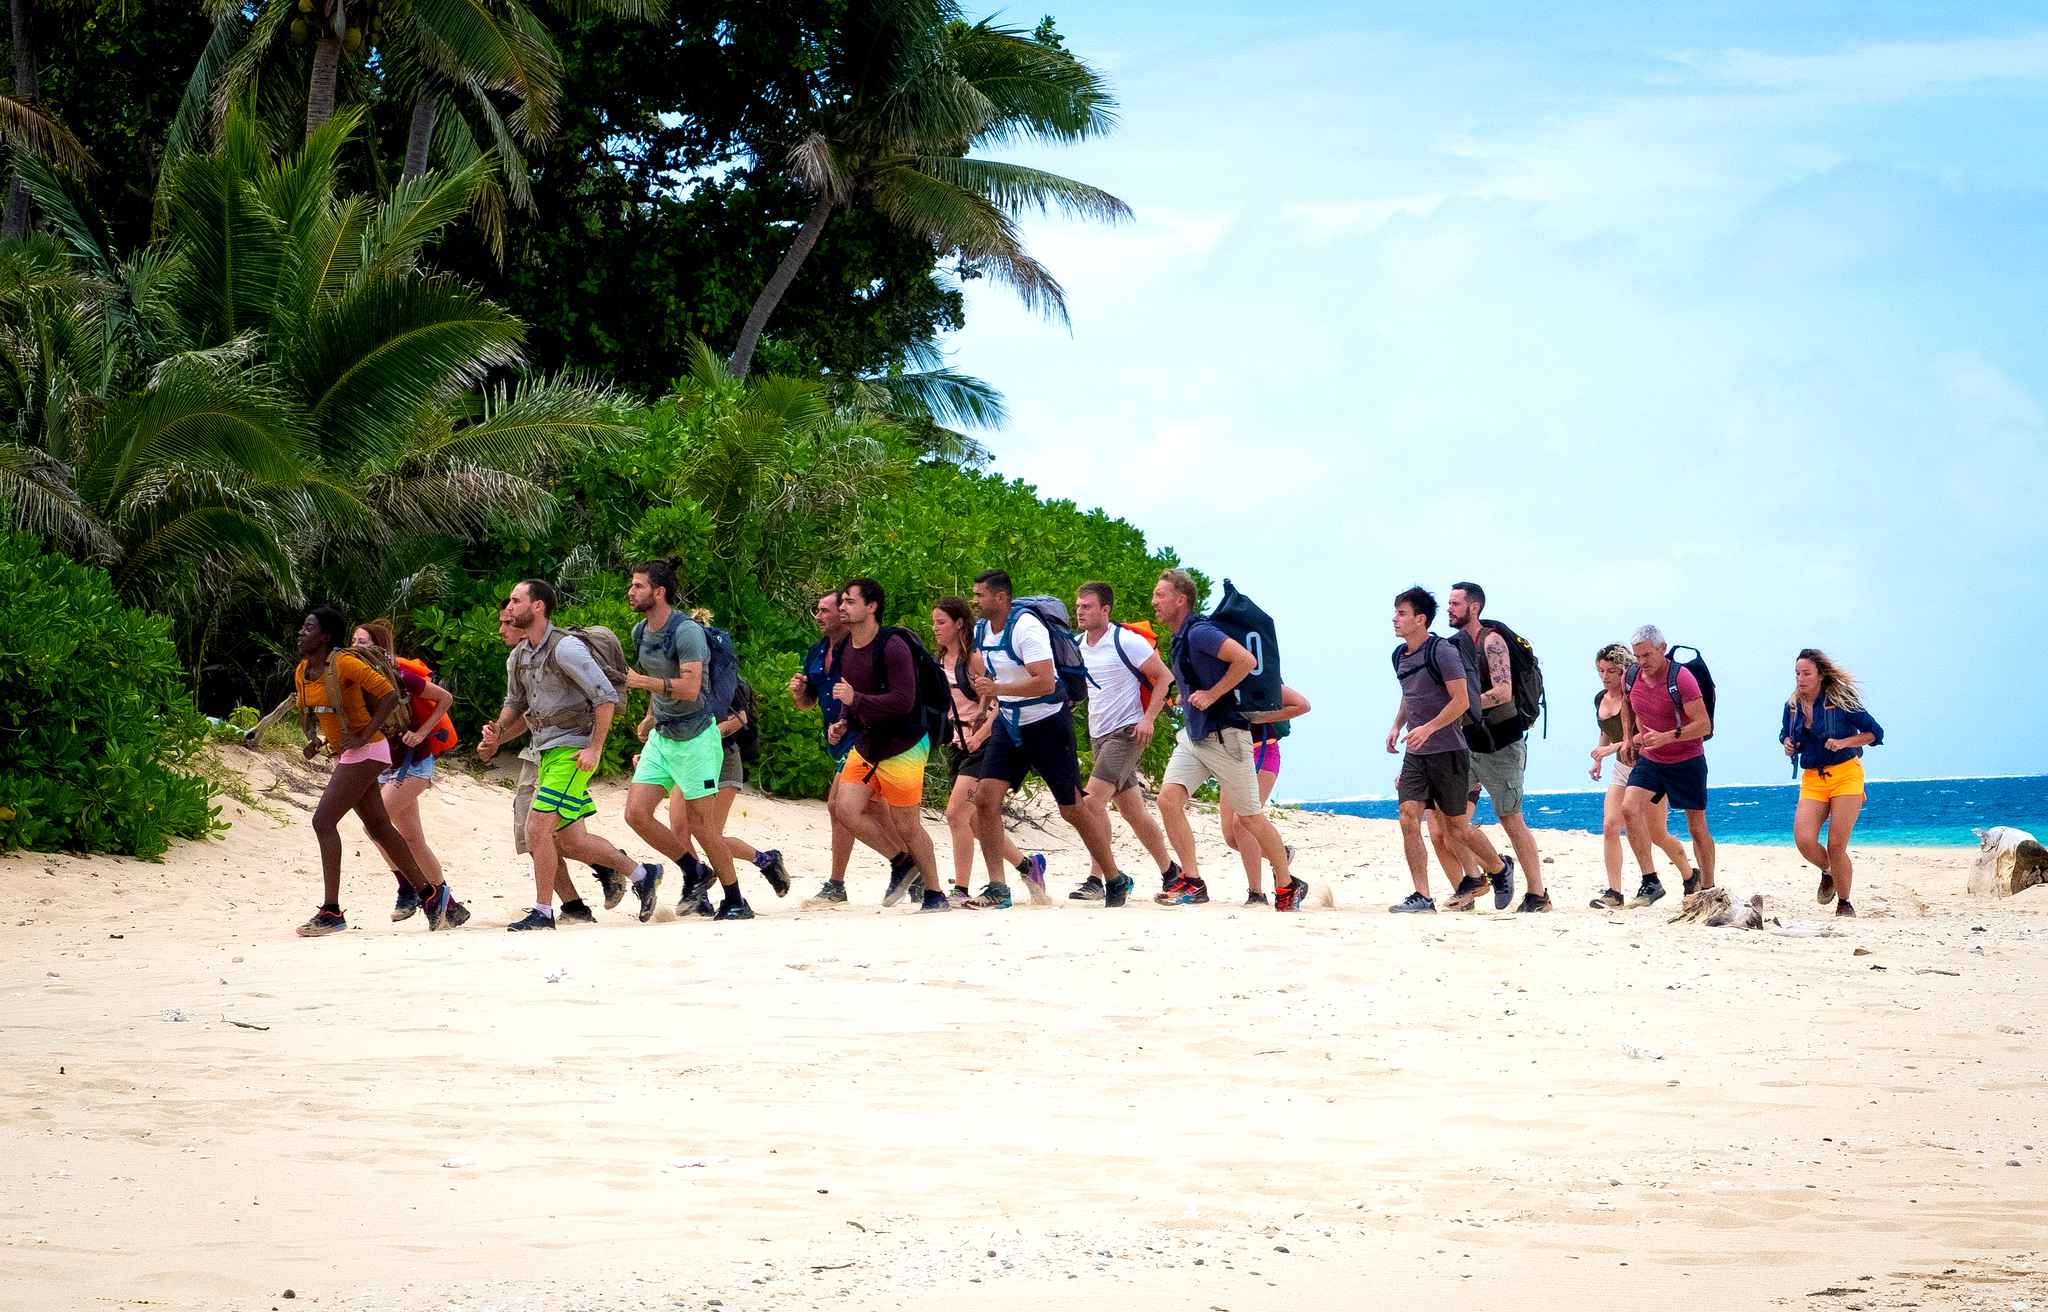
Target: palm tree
913,89
24,127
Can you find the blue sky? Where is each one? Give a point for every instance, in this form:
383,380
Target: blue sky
1729,322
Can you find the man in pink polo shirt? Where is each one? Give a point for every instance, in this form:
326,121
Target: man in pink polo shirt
1669,754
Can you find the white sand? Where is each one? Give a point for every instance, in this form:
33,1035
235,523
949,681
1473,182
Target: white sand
1137,1109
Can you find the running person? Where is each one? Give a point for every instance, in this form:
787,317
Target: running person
1616,723
972,721
556,689
878,687
1825,730
1670,761
1127,690
812,686
1267,728
1503,765
1214,743
734,729
347,700
412,767
1034,734
1435,768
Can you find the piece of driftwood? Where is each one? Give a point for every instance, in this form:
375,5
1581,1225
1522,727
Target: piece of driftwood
1716,908
2008,860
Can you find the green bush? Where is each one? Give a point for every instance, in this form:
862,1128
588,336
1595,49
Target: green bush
95,716
794,762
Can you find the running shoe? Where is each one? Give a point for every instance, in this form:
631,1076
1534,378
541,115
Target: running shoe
831,894
1088,890
1034,878
1413,904
1610,899
409,901
1466,893
1652,889
533,919
578,913
1290,897
903,873
993,897
769,863
645,888
613,883
1118,891
1843,908
702,906
934,901
737,909
323,923
1183,892
458,916
1254,898
1823,895
1503,884
1692,883
696,879
958,895
1533,902
435,904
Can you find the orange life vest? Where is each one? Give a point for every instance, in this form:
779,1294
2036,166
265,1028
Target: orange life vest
443,736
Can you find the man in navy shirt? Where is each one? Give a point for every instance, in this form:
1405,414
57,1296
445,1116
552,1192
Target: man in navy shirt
1215,743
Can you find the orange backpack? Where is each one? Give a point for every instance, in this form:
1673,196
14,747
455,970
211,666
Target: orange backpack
442,737
1142,629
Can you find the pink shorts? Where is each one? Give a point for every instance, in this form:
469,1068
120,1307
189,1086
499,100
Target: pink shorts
1266,757
374,750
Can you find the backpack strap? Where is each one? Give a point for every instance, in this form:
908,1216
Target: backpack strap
1116,640
1677,702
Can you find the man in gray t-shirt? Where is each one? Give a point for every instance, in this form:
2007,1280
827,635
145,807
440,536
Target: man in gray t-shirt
662,653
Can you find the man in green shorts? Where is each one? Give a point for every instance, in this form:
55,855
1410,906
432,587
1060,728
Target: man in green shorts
556,689
684,749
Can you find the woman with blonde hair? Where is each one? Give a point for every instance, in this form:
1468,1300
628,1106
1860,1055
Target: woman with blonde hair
1825,730
1617,724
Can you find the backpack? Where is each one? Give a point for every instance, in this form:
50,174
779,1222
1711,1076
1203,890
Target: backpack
610,657
934,705
1070,672
1473,723
1526,675
1142,629
398,722
748,737
719,686
1252,629
442,736
1698,666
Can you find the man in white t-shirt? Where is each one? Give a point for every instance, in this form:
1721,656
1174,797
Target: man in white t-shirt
1034,734
1127,688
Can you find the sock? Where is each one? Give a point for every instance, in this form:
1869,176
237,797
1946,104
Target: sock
544,909
761,861
399,875
691,868
959,888
1171,872
574,904
836,883
1024,867
331,908
899,861
730,892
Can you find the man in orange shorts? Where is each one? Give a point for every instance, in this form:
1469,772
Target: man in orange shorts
878,688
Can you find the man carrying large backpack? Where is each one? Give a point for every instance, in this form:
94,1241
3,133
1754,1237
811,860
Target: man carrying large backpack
1128,687
554,687
1499,764
1672,723
1034,734
878,686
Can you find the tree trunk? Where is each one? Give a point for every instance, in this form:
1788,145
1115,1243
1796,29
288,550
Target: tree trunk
28,92
326,66
420,139
771,295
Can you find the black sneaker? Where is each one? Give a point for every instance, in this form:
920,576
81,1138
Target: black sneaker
613,883
1692,883
830,895
324,923
1503,884
1088,890
1170,876
646,886
1117,891
1610,899
696,880
1652,889
702,906
1415,904
737,909
769,863
576,912
435,906
1290,898
409,901
1466,893
458,916
934,901
1534,902
902,874
1255,898
533,920
1823,895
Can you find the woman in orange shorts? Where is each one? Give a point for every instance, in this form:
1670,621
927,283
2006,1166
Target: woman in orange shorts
1825,729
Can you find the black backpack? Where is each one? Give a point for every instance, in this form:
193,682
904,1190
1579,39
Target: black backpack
1526,674
1473,723
1252,629
1698,666
748,739
934,705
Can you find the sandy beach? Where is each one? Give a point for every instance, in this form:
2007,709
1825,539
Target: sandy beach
1198,1107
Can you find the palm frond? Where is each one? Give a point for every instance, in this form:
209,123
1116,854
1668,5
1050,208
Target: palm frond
816,162
417,212
36,493
1033,91
1014,188
32,132
64,204
193,122
954,400
538,421
517,185
961,220
498,47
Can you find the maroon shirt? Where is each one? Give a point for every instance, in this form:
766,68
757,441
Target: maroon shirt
883,722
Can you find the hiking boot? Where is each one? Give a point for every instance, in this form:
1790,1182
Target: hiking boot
1088,890
323,923
1692,883
831,894
1610,899
645,888
1290,897
1118,891
769,863
1843,908
993,897
736,909
1823,895
1466,893
576,913
1503,884
613,883
1533,902
1034,878
902,874
1254,898
934,901
1413,904
534,919
1652,889
409,901
1183,892
458,916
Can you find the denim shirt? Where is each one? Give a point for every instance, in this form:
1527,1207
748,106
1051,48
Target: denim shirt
1829,721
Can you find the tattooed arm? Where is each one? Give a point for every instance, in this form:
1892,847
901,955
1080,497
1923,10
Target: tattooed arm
1498,669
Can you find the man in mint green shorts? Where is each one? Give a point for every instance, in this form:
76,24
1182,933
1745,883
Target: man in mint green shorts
684,749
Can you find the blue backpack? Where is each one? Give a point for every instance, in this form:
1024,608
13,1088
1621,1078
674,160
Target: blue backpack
1070,672
721,672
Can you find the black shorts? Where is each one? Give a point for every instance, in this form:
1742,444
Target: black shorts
965,764
1044,748
1438,780
1684,782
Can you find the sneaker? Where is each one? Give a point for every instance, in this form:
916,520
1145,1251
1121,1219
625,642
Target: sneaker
1413,904
902,875
1289,898
829,895
1466,893
934,901
1088,890
578,913
1254,898
1823,895
1652,889
1610,899
1183,892
702,906
1169,876
323,923
409,901
1843,908
1118,891
769,863
613,883
1533,902
993,897
697,880
645,888
958,895
1034,878
435,905
737,909
532,920
1503,884
1692,883
458,916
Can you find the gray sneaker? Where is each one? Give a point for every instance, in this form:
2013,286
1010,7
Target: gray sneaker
1413,904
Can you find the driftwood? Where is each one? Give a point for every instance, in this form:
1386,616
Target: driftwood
2008,860
1715,908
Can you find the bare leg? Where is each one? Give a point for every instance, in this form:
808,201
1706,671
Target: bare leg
578,843
345,790
1247,850
1456,862
1641,817
402,804
740,851
1807,818
370,810
1525,851
907,824
1412,848
1842,813
1093,826
1702,846
1130,804
1173,817
1610,835
1474,840
960,825
641,801
1667,843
